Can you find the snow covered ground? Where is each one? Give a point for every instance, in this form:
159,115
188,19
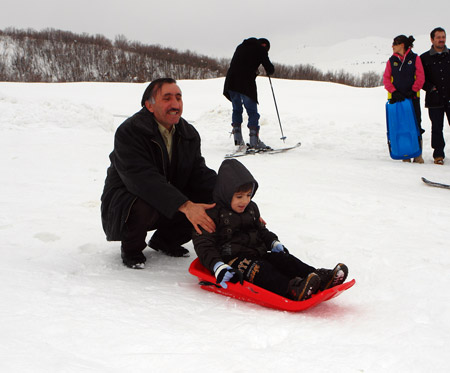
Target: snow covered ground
69,305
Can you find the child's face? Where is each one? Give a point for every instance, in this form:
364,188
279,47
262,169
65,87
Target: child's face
240,201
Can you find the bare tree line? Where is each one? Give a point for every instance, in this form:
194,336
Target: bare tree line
309,72
61,56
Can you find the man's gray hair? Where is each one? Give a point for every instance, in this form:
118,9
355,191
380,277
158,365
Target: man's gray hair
153,88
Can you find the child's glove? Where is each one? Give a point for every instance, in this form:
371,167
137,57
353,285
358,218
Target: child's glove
277,247
224,273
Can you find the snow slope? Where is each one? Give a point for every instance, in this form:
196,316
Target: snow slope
69,305
355,56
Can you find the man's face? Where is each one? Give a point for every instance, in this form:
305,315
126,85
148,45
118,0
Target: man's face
168,105
439,40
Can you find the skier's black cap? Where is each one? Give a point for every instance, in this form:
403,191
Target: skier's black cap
266,42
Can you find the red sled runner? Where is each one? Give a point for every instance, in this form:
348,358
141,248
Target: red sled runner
254,294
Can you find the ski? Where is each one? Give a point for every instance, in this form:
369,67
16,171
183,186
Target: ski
434,184
251,151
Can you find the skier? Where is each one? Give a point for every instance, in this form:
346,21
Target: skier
242,248
436,63
404,78
240,88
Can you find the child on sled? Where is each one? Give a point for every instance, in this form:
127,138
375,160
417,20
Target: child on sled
242,248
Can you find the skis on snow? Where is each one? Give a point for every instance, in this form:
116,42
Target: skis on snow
250,151
435,184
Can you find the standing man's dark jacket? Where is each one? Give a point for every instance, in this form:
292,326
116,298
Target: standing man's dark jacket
244,66
140,168
437,75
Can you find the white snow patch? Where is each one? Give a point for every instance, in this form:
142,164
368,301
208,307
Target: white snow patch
69,305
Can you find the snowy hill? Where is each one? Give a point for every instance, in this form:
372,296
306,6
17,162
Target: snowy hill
69,305
63,56
355,56
59,56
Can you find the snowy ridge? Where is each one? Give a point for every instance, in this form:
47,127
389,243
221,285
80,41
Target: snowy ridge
355,56
69,305
49,57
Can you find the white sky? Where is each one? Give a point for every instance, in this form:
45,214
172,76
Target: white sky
215,28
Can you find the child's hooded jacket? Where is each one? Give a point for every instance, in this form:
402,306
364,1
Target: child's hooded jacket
237,235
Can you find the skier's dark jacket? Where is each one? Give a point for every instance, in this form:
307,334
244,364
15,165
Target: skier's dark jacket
140,168
243,68
437,75
236,234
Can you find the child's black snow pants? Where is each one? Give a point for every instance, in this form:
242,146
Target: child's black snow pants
273,271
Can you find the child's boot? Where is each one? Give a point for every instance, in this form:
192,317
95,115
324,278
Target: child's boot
332,277
302,289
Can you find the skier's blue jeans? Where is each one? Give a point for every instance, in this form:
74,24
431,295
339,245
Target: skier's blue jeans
237,100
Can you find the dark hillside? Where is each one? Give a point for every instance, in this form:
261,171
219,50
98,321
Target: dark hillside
61,56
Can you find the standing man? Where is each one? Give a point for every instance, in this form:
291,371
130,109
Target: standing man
157,179
240,87
436,64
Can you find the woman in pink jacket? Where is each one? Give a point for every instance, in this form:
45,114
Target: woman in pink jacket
404,77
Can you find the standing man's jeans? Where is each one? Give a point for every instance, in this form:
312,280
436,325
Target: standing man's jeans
237,100
437,125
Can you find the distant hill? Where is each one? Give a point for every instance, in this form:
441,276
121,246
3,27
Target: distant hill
61,56
355,56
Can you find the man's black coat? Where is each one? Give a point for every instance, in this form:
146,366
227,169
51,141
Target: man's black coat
140,168
244,66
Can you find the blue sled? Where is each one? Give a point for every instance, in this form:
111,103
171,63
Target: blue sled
402,130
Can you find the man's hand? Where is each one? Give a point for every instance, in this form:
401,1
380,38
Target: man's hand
196,214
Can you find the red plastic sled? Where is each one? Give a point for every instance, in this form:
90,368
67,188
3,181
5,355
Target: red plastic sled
254,294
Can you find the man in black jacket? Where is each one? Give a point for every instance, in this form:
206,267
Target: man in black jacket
240,87
436,64
157,179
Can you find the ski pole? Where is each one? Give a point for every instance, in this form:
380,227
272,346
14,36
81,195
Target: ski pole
276,107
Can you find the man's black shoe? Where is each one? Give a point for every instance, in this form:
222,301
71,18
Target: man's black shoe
135,261
168,249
